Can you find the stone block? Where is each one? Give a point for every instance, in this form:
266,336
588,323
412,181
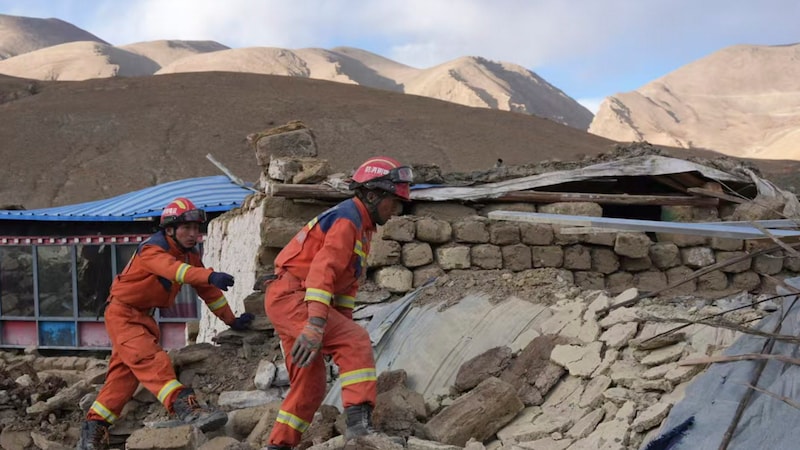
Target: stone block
423,274
504,233
599,238
746,281
472,230
577,257
737,267
636,264
516,206
453,257
712,281
768,263
451,212
434,231
618,282
516,257
416,254
397,279
278,231
633,245
650,281
604,260
383,252
284,207
697,257
665,255
299,142
547,256
726,244
679,273
480,413
401,229
791,263
486,256
539,234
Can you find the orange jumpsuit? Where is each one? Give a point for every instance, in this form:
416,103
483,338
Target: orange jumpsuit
152,279
322,263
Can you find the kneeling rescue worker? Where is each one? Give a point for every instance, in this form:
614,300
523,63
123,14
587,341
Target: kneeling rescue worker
311,302
152,279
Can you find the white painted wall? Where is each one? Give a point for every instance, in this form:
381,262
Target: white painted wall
231,246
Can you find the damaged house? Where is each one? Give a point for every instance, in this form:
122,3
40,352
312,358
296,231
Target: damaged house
599,304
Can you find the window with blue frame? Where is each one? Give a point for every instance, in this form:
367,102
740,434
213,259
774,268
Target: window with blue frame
50,295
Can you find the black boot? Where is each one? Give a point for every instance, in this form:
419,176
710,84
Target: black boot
278,447
359,423
94,435
192,412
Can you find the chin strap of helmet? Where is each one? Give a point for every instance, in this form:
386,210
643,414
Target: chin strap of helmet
372,206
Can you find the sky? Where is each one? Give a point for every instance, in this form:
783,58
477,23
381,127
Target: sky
589,49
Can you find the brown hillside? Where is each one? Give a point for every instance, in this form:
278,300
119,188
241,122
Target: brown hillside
72,142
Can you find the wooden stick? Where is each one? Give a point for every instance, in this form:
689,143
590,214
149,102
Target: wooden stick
680,327
786,400
728,325
742,357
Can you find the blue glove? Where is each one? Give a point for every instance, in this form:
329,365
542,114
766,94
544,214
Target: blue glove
242,322
221,280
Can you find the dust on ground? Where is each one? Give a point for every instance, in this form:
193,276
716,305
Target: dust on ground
541,286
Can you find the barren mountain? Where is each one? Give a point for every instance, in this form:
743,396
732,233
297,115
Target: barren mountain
165,52
742,101
471,81
20,35
78,61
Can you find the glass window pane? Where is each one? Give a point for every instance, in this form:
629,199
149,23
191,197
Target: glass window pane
124,254
94,278
55,280
16,281
185,304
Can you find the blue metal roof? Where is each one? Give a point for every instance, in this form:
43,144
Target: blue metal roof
213,194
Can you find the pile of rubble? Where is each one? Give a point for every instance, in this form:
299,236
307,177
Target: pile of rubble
585,381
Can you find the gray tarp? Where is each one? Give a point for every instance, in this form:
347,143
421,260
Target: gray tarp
431,345
713,397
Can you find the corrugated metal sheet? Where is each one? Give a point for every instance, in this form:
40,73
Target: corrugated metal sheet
214,194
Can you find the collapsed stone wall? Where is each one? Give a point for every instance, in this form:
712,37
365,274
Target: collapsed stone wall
438,237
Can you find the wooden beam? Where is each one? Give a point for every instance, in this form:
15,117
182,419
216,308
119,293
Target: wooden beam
325,192
608,199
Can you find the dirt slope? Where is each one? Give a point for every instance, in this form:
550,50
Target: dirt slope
79,141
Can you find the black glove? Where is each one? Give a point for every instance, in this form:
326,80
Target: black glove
243,322
221,280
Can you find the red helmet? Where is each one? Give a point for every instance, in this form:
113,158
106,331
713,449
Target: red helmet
386,174
181,210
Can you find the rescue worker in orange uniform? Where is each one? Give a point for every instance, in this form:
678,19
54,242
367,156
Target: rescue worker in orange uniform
152,279
311,302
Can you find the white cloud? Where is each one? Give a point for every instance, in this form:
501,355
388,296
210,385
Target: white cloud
597,47
592,104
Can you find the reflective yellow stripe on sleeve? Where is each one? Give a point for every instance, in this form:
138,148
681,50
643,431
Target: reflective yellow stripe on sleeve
104,412
358,376
167,389
181,273
359,249
217,304
293,421
344,301
318,295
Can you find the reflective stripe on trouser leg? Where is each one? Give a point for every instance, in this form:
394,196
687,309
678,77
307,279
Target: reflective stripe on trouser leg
351,349
307,384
